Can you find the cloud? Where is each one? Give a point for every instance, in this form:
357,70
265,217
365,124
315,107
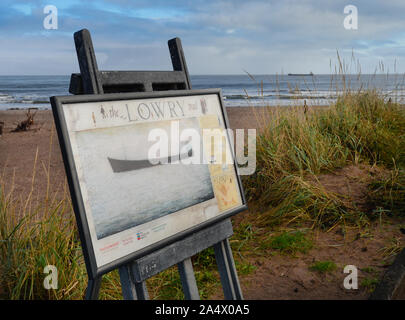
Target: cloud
218,37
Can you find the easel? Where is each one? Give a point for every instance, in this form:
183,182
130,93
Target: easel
133,275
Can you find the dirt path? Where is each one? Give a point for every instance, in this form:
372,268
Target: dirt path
281,276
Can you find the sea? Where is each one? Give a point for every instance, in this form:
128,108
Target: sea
23,92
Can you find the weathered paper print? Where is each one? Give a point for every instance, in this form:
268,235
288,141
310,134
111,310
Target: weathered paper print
125,189
223,174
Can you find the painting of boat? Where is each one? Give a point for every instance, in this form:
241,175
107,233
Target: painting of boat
118,165
132,187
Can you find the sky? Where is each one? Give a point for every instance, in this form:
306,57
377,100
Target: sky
218,36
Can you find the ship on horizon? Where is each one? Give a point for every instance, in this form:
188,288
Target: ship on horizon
301,74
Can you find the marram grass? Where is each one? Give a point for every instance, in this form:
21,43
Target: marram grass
360,127
34,239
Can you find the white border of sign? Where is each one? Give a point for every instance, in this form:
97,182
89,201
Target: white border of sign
85,122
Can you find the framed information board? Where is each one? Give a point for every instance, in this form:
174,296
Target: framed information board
145,169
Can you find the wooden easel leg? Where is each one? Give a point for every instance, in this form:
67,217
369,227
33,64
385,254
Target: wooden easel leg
127,286
93,289
141,291
131,290
227,271
232,269
187,278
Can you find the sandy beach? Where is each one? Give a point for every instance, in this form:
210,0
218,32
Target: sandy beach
39,146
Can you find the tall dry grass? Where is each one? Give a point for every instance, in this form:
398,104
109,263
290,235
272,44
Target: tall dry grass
34,234
39,229
361,127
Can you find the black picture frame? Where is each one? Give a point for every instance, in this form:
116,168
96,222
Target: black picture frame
57,103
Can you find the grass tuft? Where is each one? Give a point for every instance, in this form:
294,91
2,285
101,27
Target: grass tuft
389,193
369,283
290,243
323,266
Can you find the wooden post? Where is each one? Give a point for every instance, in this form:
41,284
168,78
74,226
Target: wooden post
178,59
188,280
87,63
93,289
128,290
227,271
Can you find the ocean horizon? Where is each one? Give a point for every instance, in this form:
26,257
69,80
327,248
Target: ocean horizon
33,91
